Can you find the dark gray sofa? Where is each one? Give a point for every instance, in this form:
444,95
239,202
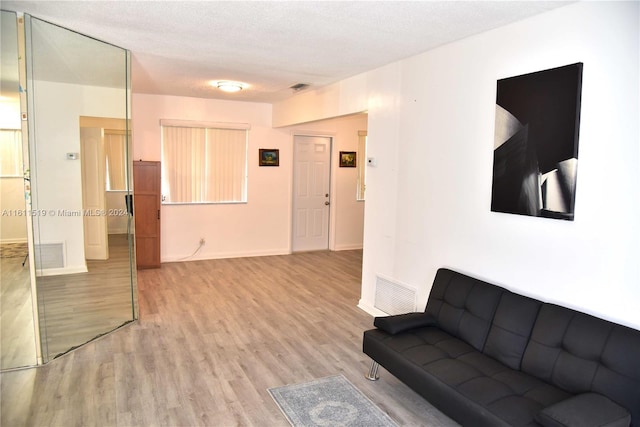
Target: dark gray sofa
486,356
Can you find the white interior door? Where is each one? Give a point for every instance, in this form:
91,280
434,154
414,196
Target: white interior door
96,242
311,181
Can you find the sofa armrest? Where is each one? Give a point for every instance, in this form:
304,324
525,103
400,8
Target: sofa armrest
587,409
403,322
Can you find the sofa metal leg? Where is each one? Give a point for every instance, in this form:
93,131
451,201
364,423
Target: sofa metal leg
373,372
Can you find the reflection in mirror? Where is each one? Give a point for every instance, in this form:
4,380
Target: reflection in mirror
79,93
18,342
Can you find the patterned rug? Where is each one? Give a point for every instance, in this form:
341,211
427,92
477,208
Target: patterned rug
13,250
330,401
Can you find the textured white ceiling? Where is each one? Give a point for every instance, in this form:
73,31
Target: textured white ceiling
178,46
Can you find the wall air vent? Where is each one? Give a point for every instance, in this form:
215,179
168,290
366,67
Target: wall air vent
393,297
299,86
49,255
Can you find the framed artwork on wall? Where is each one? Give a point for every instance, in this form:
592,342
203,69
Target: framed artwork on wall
347,159
535,156
269,157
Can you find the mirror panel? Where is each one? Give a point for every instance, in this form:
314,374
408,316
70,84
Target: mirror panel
17,333
78,91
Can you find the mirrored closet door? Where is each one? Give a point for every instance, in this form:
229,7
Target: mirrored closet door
78,97
17,328
79,178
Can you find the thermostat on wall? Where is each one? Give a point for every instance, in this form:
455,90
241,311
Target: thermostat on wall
72,156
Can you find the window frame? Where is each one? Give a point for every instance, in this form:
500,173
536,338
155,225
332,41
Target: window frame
206,126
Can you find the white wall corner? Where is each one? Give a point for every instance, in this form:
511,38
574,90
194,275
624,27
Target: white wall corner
370,309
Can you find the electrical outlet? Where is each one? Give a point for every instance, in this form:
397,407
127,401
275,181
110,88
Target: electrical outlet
201,241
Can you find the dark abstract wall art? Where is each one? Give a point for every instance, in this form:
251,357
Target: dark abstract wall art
535,157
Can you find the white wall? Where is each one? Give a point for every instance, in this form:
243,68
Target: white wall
56,181
262,226
340,99
431,120
258,227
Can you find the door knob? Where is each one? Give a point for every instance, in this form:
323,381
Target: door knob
327,203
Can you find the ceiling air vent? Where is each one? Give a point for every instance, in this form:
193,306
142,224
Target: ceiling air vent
299,86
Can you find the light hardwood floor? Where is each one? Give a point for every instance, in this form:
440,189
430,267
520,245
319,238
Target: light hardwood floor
17,336
76,308
212,337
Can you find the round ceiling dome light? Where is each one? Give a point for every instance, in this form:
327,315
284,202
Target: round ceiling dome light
229,86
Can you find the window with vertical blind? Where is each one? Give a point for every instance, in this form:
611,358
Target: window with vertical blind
204,162
115,152
10,153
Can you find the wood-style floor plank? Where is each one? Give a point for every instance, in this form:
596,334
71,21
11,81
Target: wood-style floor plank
17,335
212,337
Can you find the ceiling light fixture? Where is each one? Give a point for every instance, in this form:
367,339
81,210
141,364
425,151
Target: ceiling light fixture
229,86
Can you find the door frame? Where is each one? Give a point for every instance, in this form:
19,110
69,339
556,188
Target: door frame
332,211
106,123
96,221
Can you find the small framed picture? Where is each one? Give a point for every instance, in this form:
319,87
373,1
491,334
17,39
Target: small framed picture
347,159
269,157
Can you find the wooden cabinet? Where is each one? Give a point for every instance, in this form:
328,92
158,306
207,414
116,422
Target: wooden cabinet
146,210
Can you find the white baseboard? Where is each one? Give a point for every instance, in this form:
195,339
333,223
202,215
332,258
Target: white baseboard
61,271
365,306
347,247
24,240
203,257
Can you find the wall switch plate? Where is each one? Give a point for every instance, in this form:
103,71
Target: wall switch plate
72,156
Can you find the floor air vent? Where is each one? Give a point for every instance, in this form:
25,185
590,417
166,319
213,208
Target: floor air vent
393,297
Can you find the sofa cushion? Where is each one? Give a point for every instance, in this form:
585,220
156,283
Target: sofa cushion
581,353
473,388
402,322
583,410
463,306
511,328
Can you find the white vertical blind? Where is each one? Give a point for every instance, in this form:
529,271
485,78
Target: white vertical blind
203,165
10,152
115,145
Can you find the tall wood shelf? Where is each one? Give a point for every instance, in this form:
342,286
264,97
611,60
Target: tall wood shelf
147,197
